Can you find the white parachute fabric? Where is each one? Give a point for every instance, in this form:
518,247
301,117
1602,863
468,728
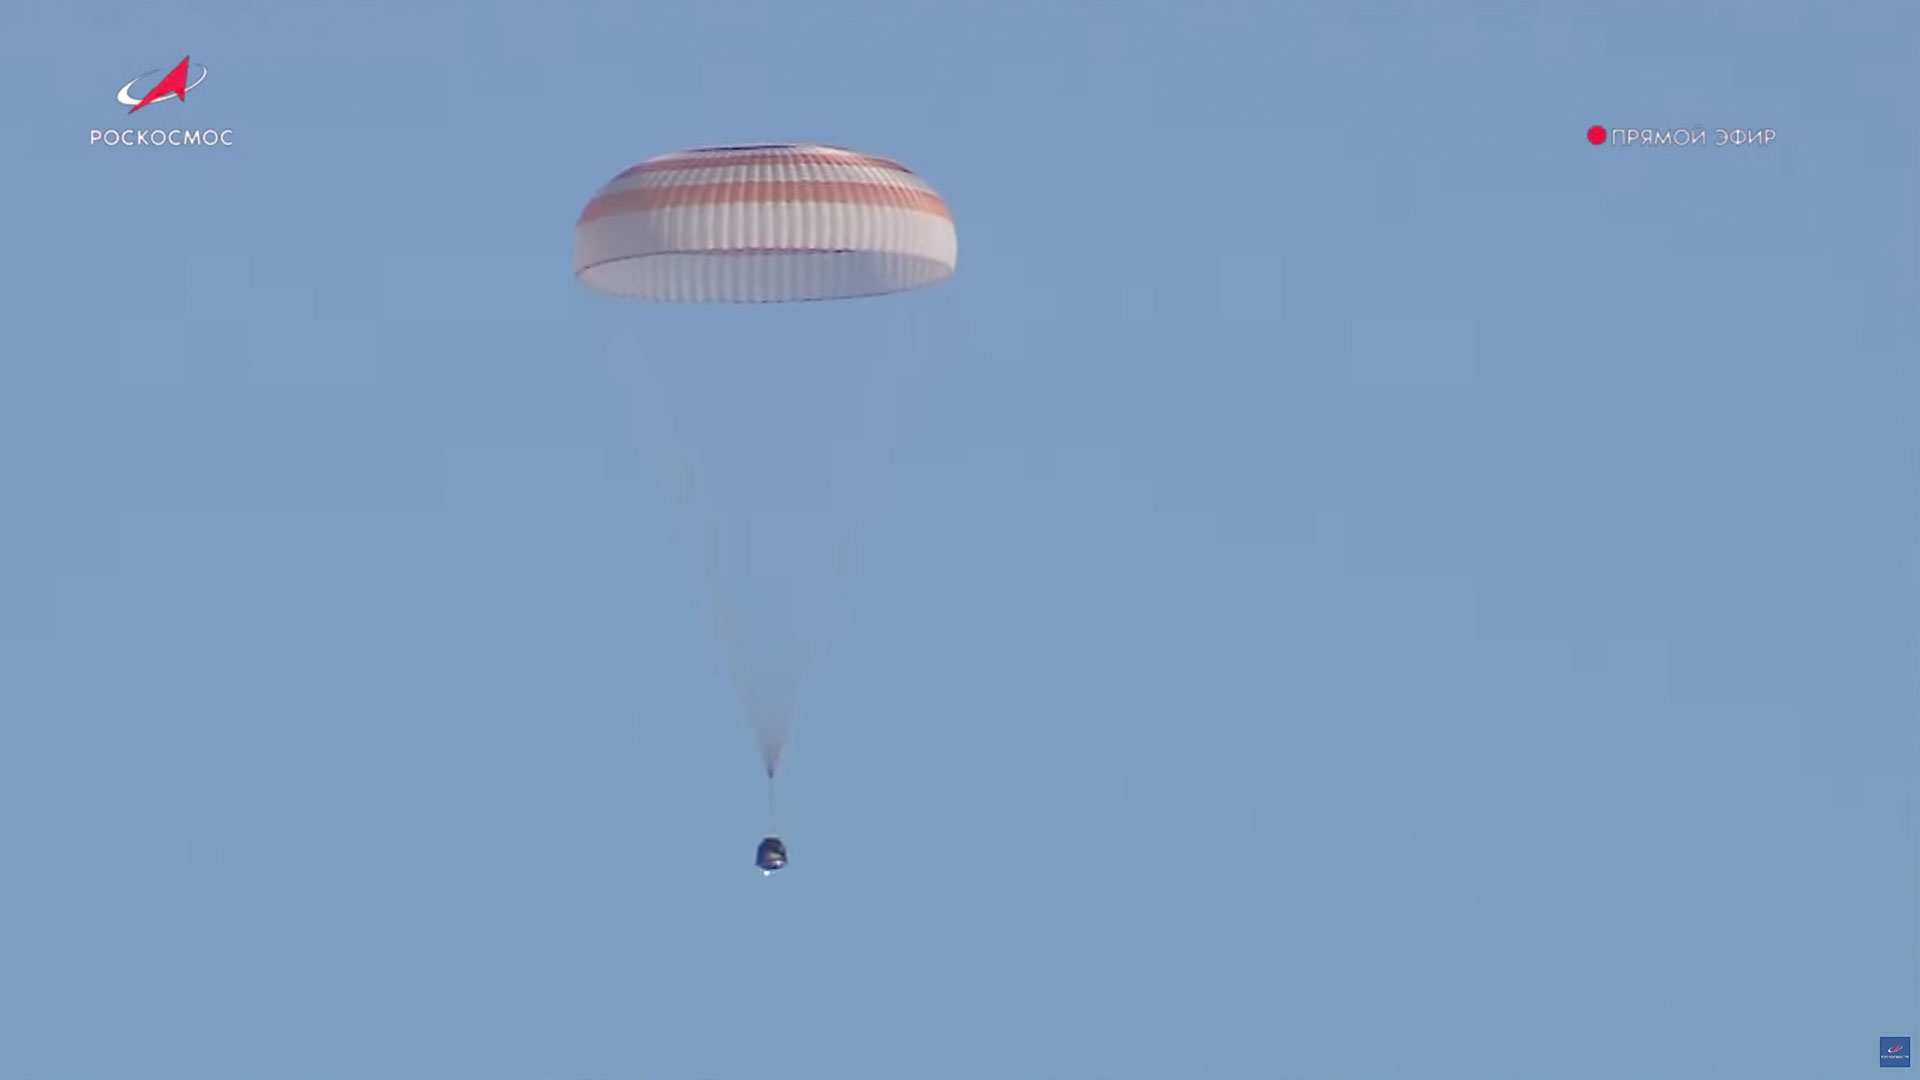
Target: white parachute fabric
759,224
770,424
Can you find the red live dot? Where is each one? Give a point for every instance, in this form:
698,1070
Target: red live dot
1596,134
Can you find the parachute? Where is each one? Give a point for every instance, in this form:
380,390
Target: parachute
770,225
763,224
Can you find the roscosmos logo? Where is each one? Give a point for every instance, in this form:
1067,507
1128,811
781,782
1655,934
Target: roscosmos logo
174,85
145,89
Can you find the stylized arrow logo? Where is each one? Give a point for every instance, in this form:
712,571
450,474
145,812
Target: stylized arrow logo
174,85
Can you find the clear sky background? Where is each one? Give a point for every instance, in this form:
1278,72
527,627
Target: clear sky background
1368,584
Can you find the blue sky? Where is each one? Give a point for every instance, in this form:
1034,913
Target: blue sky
1367,584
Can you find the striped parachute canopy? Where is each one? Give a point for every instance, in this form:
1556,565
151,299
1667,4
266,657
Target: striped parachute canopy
757,224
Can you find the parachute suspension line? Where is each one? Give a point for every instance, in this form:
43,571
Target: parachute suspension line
773,808
651,385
